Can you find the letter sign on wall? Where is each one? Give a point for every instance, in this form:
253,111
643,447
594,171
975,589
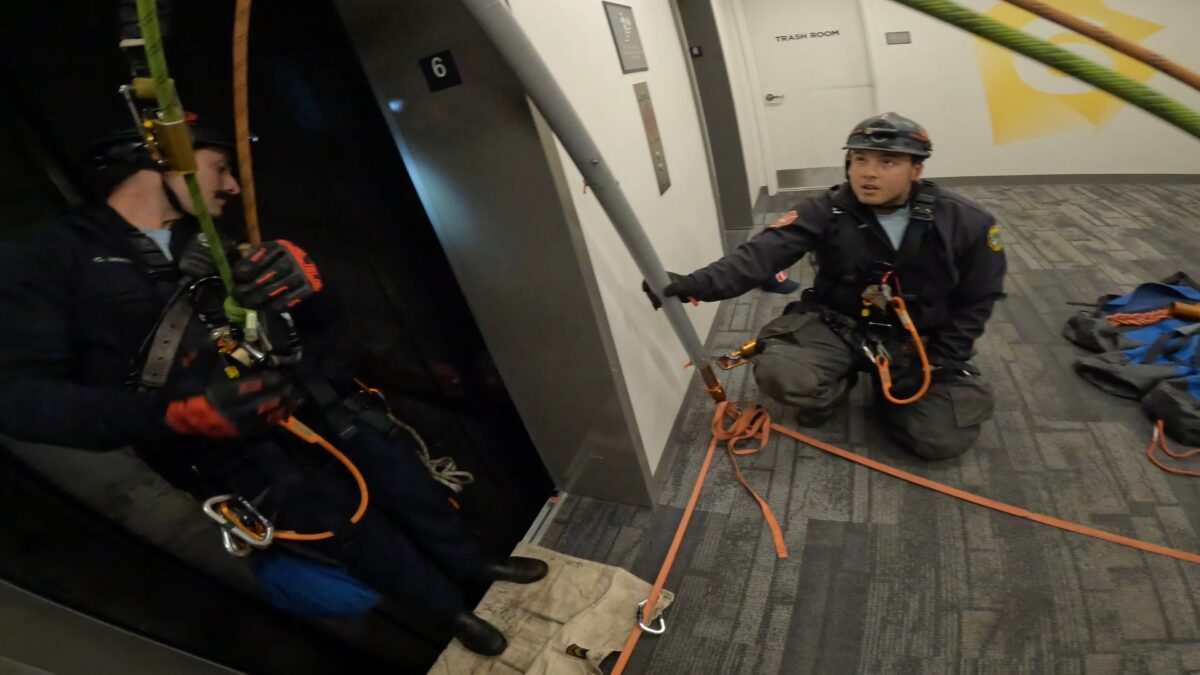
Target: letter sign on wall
804,36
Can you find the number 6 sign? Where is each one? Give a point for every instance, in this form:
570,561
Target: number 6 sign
440,71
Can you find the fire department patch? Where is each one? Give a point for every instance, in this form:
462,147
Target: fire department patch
786,219
993,238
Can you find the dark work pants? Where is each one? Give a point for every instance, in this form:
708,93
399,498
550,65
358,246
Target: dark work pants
808,366
410,545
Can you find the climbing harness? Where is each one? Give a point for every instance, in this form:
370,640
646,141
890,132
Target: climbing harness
245,528
169,143
877,298
237,335
235,515
880,297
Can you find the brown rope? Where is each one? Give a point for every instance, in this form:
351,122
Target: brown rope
241,116
1111,40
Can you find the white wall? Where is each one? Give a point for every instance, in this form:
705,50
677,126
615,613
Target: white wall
745,99
574,39
938,80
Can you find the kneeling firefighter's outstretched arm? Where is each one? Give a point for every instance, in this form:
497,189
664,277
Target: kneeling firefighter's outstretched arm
752,263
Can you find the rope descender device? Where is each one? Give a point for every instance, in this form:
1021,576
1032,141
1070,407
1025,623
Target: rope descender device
243,528
738,357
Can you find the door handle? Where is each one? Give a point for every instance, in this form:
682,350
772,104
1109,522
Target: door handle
773,97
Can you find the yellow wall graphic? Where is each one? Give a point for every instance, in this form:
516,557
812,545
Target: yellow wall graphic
1020,110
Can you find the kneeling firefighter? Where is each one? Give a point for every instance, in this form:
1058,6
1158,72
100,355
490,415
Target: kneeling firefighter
907,274
116,335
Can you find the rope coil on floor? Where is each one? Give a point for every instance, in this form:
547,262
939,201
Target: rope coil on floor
755,422
1138,318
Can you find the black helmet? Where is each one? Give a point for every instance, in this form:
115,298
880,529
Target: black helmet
124,153
127,149
892,132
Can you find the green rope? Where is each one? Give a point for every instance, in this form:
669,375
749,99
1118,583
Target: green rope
1098,76
171,111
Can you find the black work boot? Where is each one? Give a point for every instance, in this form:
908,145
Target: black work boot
478,635
516,569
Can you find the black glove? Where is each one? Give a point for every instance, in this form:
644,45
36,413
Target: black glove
196,260
680,287
241,407
275,276
781,284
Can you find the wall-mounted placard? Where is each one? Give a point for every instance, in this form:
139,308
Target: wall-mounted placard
625,35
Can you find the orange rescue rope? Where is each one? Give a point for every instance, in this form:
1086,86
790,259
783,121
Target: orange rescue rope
1111,40
241,116
306,434
755,422
1158,441
1138,318
882,362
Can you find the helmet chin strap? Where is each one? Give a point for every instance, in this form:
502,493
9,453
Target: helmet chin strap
172,198
899,203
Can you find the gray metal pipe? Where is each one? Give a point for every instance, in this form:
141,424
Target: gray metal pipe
497,21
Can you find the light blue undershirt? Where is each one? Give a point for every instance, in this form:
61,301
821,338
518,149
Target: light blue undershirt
895,224
162,238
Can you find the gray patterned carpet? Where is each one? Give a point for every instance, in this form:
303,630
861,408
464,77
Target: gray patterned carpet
885,577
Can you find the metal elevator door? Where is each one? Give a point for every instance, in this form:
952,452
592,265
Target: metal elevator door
329,178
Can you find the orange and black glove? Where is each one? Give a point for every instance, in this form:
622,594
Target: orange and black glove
237,408
275,276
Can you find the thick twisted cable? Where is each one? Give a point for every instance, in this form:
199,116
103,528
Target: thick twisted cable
172,111
1111,40
1100,77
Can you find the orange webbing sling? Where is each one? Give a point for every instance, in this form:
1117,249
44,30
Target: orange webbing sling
755,422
